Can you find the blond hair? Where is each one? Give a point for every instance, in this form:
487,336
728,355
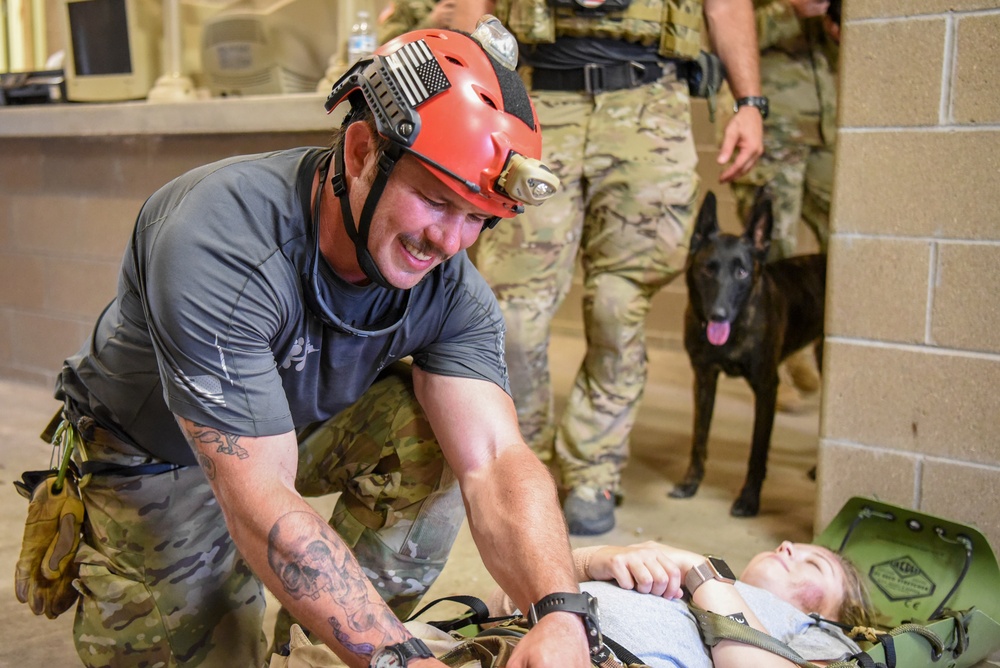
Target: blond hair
856,608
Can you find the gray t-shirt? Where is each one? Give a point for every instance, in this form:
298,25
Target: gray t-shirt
211,321
664,634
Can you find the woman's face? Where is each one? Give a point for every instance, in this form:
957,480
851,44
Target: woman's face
808,576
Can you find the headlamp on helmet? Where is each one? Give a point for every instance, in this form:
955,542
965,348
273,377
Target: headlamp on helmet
527,180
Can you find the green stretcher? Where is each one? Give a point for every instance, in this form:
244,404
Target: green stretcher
935,583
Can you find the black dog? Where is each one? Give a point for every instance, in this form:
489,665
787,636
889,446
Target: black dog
743,318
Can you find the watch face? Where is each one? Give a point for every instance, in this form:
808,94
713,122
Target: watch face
387,657
722,568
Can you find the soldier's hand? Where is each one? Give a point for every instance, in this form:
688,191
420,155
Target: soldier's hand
443,13
743,143
558,640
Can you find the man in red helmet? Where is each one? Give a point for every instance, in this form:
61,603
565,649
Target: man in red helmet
265,305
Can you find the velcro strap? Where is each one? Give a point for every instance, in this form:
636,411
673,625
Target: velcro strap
596,78
478,615
108,468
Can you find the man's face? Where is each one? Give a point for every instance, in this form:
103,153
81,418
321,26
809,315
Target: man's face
418,224
809,577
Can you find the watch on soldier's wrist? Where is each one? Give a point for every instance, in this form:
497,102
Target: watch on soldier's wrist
583,605
713,568
761,104
400,654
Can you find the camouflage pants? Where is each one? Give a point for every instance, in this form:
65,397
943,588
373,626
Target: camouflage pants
800,174
627,162
164,585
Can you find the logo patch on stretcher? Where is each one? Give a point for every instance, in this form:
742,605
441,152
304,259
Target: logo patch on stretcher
901,579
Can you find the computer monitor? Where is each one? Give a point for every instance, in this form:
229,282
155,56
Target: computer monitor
115,51
258,47
112,48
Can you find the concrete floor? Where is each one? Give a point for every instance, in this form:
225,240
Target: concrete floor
660,445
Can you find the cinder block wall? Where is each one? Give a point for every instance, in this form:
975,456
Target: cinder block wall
911,403
67,208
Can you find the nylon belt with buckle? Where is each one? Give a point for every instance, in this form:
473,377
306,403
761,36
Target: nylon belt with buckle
594,78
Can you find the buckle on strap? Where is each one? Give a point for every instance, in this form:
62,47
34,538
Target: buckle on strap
593,78
636,73
601,78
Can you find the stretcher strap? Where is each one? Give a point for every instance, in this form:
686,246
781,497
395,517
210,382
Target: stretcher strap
479,613
888,642
861,660
716,628
961,630
624,655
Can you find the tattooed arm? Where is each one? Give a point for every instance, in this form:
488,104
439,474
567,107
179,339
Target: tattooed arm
512,507
288,545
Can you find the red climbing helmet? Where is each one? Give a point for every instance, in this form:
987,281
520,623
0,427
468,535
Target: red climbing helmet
455,102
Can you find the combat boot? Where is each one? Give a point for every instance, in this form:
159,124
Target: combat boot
589,511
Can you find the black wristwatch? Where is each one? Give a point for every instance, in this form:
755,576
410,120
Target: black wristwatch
400,654
753,101
583,604
713,568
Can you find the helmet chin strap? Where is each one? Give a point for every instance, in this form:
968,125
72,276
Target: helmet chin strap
359,233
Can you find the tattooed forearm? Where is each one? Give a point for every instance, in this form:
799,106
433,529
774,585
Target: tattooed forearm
364,649
313,563
223,443
207,465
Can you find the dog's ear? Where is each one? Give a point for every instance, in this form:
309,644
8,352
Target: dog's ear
761,221
707,226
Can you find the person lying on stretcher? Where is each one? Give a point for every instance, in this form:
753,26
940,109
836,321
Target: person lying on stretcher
640,587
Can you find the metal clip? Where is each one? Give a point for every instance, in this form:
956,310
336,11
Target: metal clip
636,72
593,78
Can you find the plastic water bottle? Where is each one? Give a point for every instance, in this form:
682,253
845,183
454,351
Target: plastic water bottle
362,41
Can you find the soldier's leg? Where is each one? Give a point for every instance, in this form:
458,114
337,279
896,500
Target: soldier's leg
801,365
529,262
786,182
640,168
784,165
160,578
401,508
818,193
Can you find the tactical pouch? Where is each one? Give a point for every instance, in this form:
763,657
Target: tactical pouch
46,566
704,76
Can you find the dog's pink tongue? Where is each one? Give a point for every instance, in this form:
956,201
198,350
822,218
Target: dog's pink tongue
718,333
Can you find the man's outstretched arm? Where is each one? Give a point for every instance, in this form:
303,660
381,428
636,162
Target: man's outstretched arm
300,559
512,507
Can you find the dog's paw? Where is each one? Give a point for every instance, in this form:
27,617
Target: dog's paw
684,490
745,507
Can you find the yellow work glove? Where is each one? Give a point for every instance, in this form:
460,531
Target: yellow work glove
46,567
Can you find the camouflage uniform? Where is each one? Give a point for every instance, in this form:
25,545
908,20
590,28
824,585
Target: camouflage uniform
798,74
627,162
406,15
146,575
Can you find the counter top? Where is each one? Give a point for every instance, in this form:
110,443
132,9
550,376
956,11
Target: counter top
299,112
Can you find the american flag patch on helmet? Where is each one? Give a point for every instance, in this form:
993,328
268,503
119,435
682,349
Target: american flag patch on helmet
417,72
